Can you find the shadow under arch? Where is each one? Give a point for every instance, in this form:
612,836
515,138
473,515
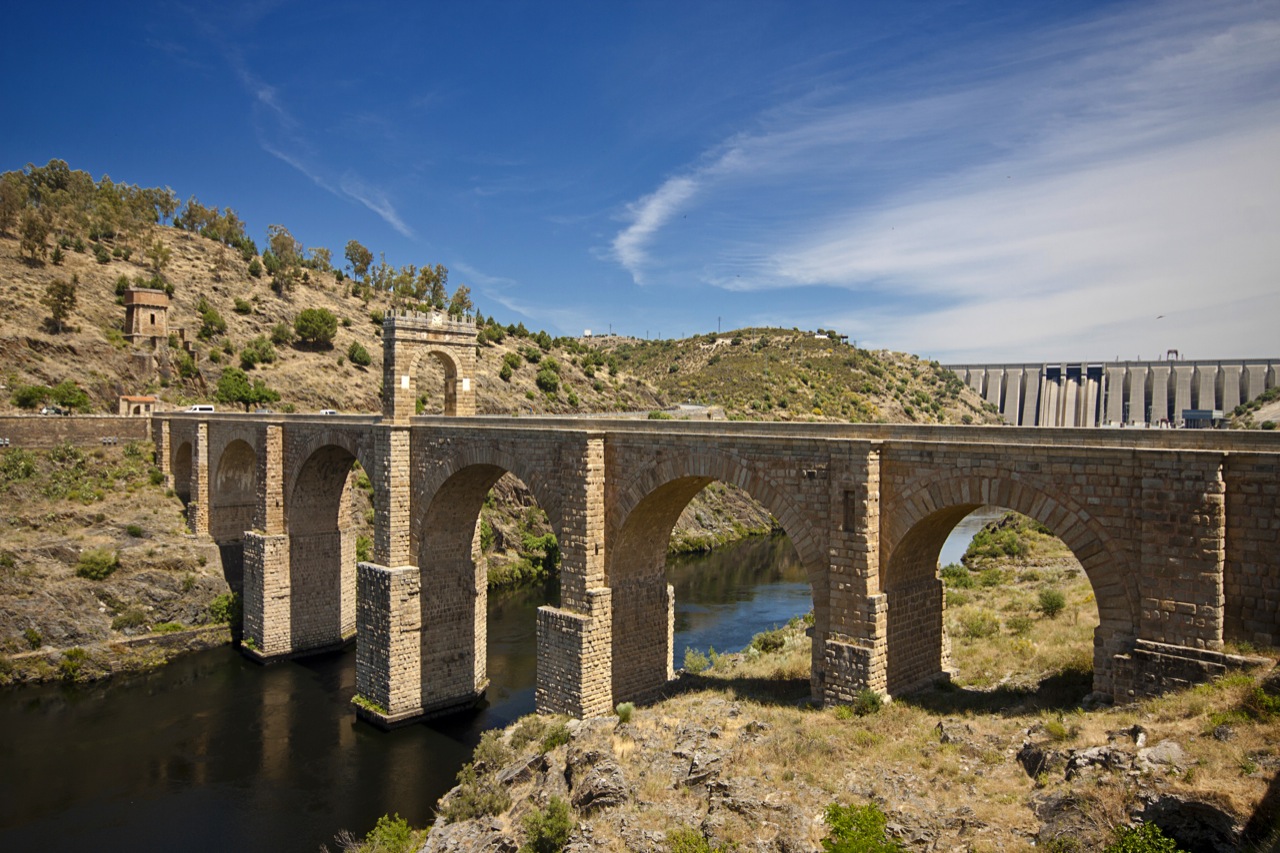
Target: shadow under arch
181,465
454,599
912,541
636,560
322,550
233,499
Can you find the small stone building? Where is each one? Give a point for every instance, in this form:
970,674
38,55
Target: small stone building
137,406
146,315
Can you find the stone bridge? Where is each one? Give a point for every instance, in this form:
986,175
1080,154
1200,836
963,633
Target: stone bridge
1176,530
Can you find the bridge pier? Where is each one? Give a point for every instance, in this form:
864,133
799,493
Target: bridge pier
389,649
266,599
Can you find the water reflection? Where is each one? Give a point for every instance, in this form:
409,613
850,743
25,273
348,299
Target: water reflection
215,753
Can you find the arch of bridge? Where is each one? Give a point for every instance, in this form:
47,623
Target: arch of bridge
304,444
181,463
480,459
651,500
223,434
916,520
233,491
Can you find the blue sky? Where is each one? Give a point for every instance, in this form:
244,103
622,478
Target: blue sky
970,181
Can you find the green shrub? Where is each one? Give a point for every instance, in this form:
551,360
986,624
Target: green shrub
687,840
135,531
392,835
1144,838
358,354
474,798
1052,602
769,641
991,578
1019,623
168,627
857,829
316,325
978,624
492,753
155,476
1260,705
72,662
97,563
867,702
17,464
257,351
243,307
364,548
282,334
134,617
659,415
625,710
33,637
225,608
547,381
29,396
695,661
557,735
957,576
529,729
547,830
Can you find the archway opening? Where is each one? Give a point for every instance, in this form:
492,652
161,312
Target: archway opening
435,384
994,602
181,468
700,611
233,499
327,514
489,558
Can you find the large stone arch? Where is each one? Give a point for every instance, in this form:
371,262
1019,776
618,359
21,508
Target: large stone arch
454,600
233,499
916,522
322,555
641,518
408,337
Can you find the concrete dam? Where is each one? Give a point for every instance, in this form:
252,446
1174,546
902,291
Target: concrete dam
1116,393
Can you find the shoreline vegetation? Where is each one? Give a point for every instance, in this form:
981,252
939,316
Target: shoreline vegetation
1003,756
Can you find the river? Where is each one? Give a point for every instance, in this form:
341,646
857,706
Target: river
213,753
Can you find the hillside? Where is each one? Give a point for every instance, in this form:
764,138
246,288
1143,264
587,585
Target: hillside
233,306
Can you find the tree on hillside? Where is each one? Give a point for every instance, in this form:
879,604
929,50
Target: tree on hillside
359,258
159,254
316,326
234,387
60,299
283,245
461,301
34,230
431,283
69,395
320,259
13,197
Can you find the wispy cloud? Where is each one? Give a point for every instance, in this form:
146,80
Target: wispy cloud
283,136
1072,185
647,216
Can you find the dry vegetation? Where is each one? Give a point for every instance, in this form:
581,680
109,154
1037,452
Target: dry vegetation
1002,758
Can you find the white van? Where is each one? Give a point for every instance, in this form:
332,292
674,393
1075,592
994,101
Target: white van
201,407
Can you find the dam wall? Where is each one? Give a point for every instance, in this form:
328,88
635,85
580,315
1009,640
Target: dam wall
1118,393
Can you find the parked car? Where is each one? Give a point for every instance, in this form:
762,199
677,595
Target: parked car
54,410
328,412
201,407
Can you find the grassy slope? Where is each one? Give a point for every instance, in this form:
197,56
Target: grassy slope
943,764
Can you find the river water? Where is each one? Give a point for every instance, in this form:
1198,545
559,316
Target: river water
213,753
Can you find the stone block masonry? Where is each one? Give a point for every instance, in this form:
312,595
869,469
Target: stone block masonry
1176,530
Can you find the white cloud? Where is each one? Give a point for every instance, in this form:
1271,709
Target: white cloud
1073,185
647,216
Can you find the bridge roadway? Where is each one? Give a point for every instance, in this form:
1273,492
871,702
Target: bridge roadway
1176,530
